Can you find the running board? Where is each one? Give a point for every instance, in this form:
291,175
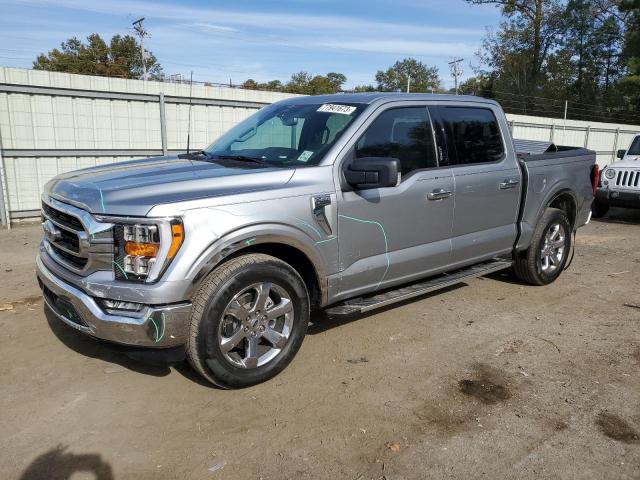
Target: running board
365,304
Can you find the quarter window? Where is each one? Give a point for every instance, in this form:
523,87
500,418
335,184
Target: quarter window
402,133
474,135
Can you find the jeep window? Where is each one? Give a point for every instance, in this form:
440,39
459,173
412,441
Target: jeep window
402,133
474,135
634,149
287,134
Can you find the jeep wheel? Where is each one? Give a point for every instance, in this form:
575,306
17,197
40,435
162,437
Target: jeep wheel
248,321
547,255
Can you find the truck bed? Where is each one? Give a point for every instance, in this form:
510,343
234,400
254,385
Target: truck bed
545,175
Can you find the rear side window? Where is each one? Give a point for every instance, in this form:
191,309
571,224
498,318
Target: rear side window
634,149
473,134
402,133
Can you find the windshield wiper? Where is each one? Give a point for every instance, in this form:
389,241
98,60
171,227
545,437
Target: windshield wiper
243,158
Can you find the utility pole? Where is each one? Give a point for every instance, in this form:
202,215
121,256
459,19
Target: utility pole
456,70
139,29
408,83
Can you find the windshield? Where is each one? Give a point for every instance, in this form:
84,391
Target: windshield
287,134
634,149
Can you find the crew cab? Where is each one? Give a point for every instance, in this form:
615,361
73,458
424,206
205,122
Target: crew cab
342,202
620,182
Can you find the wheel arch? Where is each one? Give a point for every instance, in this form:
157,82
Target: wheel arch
566,201
287,245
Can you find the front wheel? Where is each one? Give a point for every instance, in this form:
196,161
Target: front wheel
547,255
248,321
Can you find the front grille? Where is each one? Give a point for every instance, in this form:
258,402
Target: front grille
75,240
628,178
62,218
78,262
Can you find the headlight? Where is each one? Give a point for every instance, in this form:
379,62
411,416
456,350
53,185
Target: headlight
143,251
609,173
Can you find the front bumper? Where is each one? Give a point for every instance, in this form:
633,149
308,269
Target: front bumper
618,198
156,326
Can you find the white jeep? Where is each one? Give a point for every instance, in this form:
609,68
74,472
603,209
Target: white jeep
620,182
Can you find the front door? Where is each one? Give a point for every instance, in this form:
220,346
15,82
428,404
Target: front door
393,235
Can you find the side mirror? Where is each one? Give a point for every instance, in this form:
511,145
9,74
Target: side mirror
621,154
373,172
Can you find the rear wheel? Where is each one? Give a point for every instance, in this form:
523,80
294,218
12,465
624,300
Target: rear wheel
599,210
248,321
547,255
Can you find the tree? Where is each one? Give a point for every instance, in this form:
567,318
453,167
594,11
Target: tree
630,85
480,85
121,58
396,78
302,83
364,88
524,42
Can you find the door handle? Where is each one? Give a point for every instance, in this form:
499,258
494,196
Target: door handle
510,183
439,194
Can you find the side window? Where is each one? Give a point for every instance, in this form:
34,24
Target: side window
474,135
402,133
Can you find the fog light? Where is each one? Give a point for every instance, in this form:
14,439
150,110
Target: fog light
118,305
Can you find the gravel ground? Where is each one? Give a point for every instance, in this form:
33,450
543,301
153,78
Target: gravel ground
491,379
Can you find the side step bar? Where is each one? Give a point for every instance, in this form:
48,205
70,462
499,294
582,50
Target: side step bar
365,304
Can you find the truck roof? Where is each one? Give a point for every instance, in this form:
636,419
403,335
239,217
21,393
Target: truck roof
382,97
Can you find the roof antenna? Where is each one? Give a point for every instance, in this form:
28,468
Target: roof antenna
189,122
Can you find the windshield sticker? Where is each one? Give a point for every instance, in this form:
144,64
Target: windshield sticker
304,156
333,108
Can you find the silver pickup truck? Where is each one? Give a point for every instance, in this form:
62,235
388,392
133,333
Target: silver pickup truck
343,202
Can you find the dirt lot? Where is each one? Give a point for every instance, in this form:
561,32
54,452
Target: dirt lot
492,379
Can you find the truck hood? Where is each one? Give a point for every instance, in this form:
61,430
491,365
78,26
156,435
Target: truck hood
135,187
630,161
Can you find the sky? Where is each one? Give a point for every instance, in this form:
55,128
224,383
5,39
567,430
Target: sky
261,39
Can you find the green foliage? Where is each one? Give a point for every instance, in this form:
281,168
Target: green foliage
121,58
586,52
396,78
480,85
364,89
302,83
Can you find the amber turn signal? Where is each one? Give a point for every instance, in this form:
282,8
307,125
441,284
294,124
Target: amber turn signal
177,235
141,249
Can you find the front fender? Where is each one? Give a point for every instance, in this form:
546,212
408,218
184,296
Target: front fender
250,236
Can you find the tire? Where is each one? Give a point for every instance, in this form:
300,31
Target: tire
529,267
236,336
599,210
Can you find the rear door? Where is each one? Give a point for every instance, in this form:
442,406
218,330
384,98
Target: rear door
488,182
392,235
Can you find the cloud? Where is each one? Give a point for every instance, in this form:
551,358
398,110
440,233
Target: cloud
257,19
404,47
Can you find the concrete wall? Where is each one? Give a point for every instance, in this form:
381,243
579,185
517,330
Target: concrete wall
55,122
